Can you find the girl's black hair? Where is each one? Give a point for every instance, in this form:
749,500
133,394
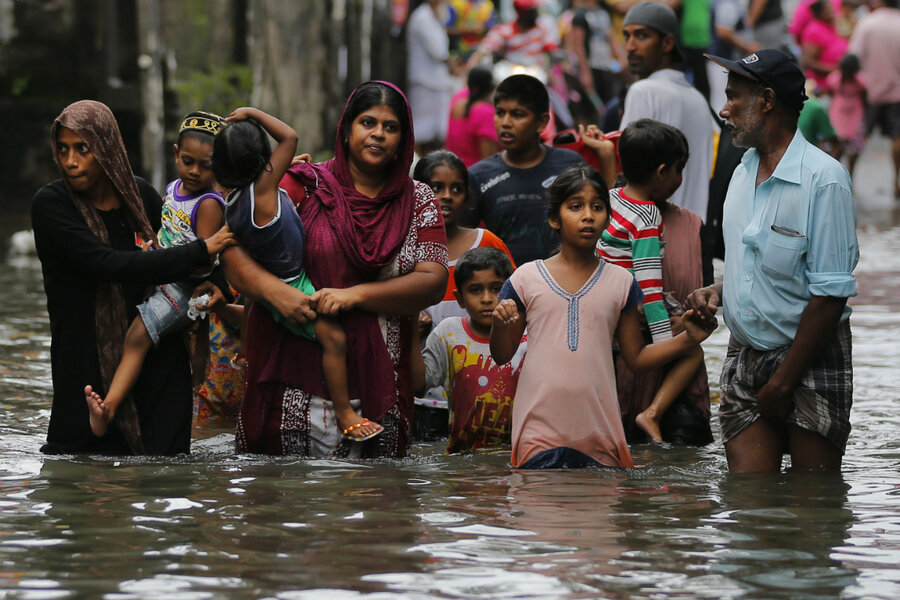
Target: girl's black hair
480,84
570,182
241,151
371,94
426,166
849,66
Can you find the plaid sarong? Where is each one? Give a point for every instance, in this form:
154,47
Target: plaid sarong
821,402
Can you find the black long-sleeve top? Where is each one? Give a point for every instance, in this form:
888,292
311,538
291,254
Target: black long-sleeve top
73,260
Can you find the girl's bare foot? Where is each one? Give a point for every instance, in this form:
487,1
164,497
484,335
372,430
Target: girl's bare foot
355,427
99,414
649,425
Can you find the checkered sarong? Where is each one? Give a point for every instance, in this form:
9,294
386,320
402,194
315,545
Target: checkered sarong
821,402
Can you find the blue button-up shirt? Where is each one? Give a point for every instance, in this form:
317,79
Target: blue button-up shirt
792,238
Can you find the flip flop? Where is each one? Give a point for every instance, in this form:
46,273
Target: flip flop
345,434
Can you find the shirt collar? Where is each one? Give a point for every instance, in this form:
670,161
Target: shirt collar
673,75
791,163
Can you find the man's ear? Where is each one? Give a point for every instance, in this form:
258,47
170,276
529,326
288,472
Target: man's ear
668,43
767,97
543,121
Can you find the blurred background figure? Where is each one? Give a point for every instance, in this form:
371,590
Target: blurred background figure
730,40
471,134
429,82
822,47
695,19
765,18
597,58
467,23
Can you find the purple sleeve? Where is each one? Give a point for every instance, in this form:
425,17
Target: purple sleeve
635,297
508,291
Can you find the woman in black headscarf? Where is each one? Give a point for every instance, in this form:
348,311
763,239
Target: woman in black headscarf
88,227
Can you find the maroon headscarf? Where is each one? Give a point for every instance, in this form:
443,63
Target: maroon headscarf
96,125
350,238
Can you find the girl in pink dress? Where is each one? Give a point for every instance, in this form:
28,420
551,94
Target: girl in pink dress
848,106
566,411
471,134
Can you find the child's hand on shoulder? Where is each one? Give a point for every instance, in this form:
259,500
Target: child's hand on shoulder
505,313
697,329
301,159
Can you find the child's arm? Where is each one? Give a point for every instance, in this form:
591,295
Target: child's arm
265,189
417,364
646,255
592,137
506,331
639,357
210,218
436,363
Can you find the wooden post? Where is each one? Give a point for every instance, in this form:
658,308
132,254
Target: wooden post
151,85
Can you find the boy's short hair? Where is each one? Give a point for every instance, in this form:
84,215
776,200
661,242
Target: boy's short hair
645,144
480,259
526,90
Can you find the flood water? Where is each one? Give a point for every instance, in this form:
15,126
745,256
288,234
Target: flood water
216,524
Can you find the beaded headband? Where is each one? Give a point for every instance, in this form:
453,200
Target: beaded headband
205,122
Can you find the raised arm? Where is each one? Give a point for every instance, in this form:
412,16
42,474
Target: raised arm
266,186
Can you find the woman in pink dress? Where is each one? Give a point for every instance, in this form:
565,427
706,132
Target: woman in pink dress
471,134
566,412
822,46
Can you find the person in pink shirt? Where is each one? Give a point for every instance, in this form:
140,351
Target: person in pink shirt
471,134
822,46
803,16
848,106
877,44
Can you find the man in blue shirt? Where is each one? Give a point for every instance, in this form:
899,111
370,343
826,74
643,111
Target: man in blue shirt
790,250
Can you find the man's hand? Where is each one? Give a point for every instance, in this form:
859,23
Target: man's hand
705,302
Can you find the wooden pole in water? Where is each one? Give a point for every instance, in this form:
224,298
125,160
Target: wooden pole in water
151,85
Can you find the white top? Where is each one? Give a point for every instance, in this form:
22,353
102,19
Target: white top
428,48
668,97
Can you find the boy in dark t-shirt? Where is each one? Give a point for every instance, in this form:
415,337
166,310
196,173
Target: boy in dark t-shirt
507,189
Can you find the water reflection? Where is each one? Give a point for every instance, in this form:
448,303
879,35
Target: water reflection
216,524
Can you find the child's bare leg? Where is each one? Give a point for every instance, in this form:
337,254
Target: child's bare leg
102,410
681,374
331,337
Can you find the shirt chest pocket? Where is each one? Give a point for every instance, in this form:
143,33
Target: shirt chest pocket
782,253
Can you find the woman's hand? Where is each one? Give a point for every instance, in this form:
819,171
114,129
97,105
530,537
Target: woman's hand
220,240
301,159
331,301
216,297
293,305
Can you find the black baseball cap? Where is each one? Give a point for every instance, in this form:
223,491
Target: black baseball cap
772,68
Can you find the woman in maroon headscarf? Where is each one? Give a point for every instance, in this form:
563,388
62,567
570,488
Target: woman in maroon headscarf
376,252
88,227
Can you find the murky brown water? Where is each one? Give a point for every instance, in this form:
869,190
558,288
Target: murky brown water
220,525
